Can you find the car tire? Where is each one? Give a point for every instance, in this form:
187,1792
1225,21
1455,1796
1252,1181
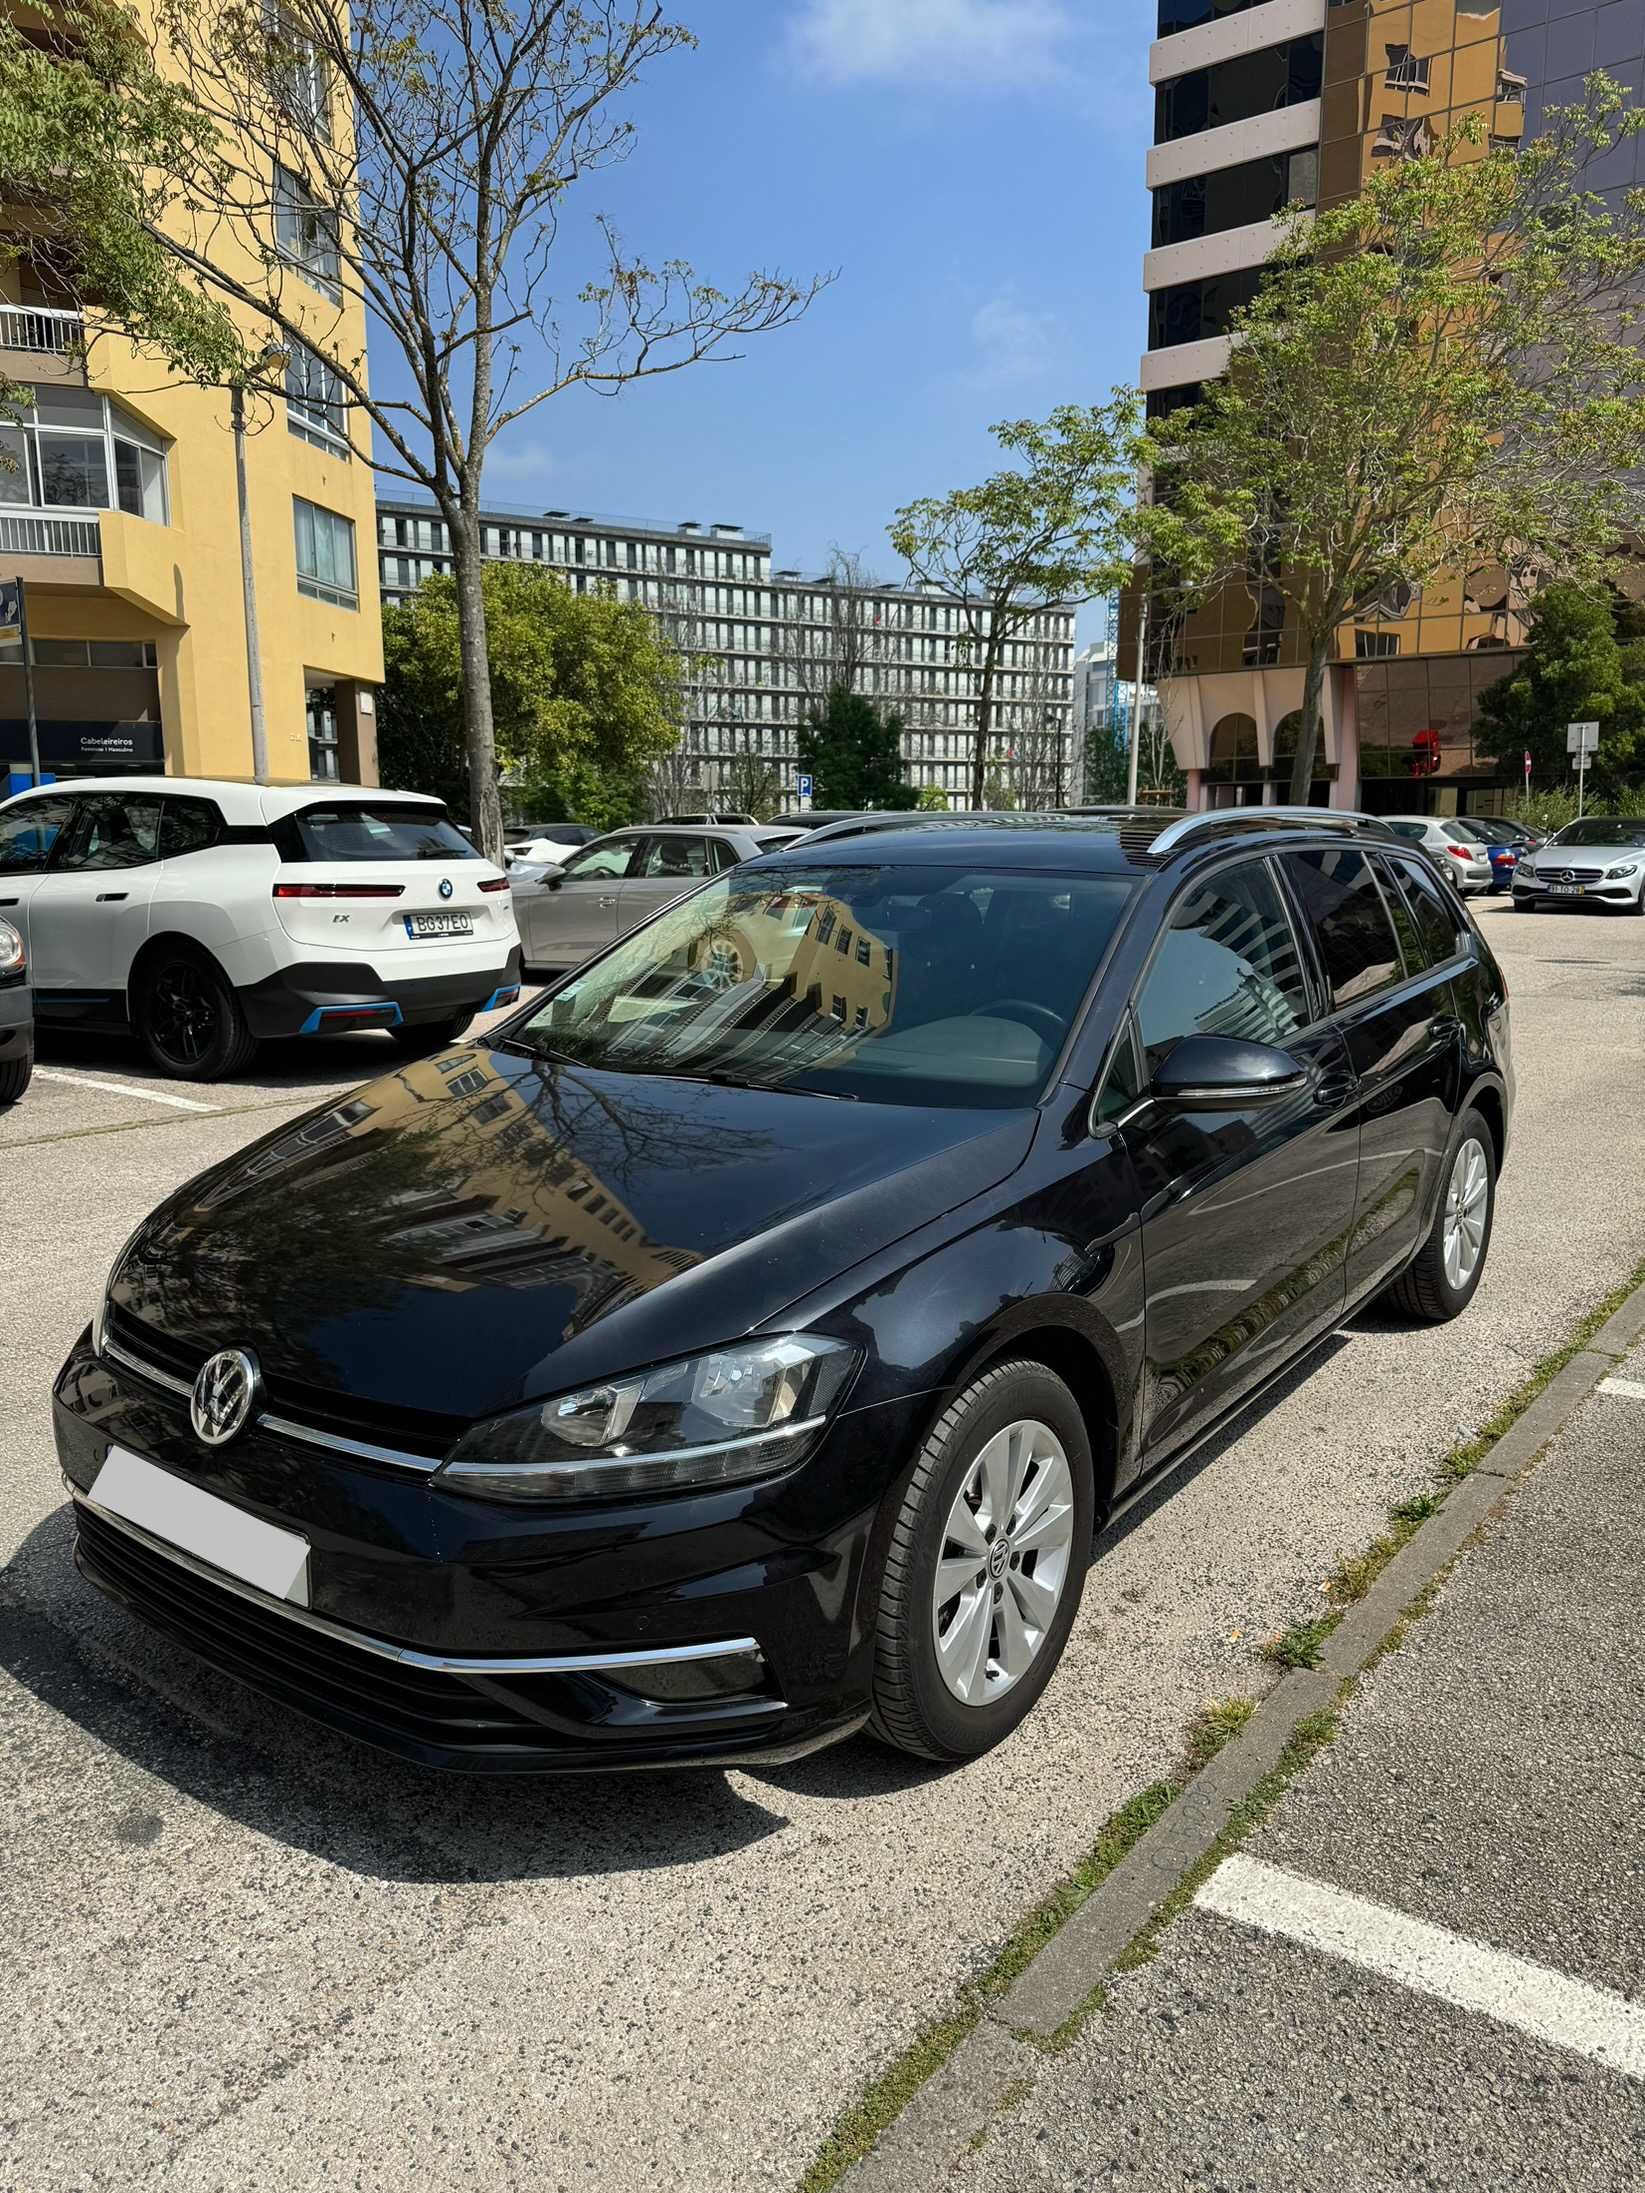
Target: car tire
427,1037
1439,1285
1016,1429
188,1019
15,1076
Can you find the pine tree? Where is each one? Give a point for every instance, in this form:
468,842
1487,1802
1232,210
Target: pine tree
853,754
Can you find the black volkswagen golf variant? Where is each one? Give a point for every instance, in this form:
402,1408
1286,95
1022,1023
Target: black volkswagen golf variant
748,1342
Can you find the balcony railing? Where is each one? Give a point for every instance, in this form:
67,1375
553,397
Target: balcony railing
24,534
41,328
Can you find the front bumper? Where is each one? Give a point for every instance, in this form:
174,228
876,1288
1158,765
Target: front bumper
16,1021
499,1637
316,997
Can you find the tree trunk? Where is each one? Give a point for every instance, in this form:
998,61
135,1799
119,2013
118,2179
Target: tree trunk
1302,769
985,725
479,732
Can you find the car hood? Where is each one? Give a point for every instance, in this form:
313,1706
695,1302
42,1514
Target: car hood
481,1229
1554,857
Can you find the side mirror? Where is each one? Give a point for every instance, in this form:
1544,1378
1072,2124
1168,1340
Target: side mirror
1221,1073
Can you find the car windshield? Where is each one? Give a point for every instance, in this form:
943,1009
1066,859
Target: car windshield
1602,830
896,984
359,831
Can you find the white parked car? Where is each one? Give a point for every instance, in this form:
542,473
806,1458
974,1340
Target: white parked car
1456,848
205,915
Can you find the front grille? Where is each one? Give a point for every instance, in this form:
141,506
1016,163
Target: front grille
318,1408
1572,875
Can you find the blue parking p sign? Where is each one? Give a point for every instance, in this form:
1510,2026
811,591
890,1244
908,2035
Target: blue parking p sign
803,784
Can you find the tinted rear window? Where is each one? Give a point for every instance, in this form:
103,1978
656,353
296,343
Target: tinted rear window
355,830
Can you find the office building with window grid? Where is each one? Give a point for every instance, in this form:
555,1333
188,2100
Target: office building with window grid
1265,104
764,643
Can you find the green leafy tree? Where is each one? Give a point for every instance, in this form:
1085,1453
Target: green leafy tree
999,794
1050,531
1439,376
933,800
441,152
853,754
1576,670
92,136
583,694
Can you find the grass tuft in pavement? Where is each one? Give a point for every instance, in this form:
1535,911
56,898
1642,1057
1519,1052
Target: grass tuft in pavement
1215,1725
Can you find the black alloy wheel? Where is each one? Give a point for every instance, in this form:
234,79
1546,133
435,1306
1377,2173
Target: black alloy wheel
189,1021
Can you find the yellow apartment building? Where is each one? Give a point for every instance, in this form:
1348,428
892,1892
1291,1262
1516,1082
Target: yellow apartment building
119,511
1267,105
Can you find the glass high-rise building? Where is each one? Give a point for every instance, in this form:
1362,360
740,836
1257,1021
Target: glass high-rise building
1261,105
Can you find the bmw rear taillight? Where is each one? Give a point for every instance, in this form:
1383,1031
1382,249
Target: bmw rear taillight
499,884
339,890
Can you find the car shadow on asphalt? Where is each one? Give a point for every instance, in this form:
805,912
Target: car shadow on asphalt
312,1062
267,1769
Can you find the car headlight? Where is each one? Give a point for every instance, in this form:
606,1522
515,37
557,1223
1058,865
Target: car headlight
741,1412
14,959
1624,868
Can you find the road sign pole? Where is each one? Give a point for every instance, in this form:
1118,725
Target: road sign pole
1581,783
28,680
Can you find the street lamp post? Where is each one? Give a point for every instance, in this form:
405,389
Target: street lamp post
272,354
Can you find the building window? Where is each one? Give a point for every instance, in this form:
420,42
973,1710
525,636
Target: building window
299,73
306,233
325,555
75,450
1375,646
315,402
1406,72
1240,88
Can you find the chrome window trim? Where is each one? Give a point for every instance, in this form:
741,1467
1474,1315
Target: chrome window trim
564,1663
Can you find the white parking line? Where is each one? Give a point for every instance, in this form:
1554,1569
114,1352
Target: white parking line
123,1088
1589,2021
1629,1388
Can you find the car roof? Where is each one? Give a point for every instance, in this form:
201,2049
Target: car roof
240,801
1114,842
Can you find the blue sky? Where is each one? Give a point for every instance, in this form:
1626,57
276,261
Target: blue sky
973,168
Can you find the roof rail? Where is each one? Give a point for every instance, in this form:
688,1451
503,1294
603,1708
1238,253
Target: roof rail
1258,818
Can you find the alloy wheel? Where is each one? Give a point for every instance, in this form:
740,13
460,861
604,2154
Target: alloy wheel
1467,1202
183,1012
1004,1562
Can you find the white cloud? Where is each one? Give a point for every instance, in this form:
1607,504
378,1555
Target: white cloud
1013,344
981,42
519,463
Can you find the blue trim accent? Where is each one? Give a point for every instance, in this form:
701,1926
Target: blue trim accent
322,1013
500,998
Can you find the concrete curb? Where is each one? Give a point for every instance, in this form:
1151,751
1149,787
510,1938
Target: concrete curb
956,2105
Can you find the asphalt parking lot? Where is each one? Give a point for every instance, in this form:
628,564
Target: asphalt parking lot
241,1947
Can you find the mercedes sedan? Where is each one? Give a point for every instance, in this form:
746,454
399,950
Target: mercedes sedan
1599,861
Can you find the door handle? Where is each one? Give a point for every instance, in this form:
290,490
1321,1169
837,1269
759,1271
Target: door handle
1332,1091
112,898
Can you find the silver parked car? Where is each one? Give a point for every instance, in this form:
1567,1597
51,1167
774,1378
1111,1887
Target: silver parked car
568,913
1455,847
1600,860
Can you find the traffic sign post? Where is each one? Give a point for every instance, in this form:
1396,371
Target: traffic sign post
14,626
1582,739
804,786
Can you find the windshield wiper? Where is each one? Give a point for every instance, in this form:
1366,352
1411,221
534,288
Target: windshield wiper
766,1088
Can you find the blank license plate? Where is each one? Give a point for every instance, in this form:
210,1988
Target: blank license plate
439,925
197,1522
1566,890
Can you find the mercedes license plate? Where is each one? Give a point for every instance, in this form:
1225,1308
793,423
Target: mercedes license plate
1566,890
439,925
